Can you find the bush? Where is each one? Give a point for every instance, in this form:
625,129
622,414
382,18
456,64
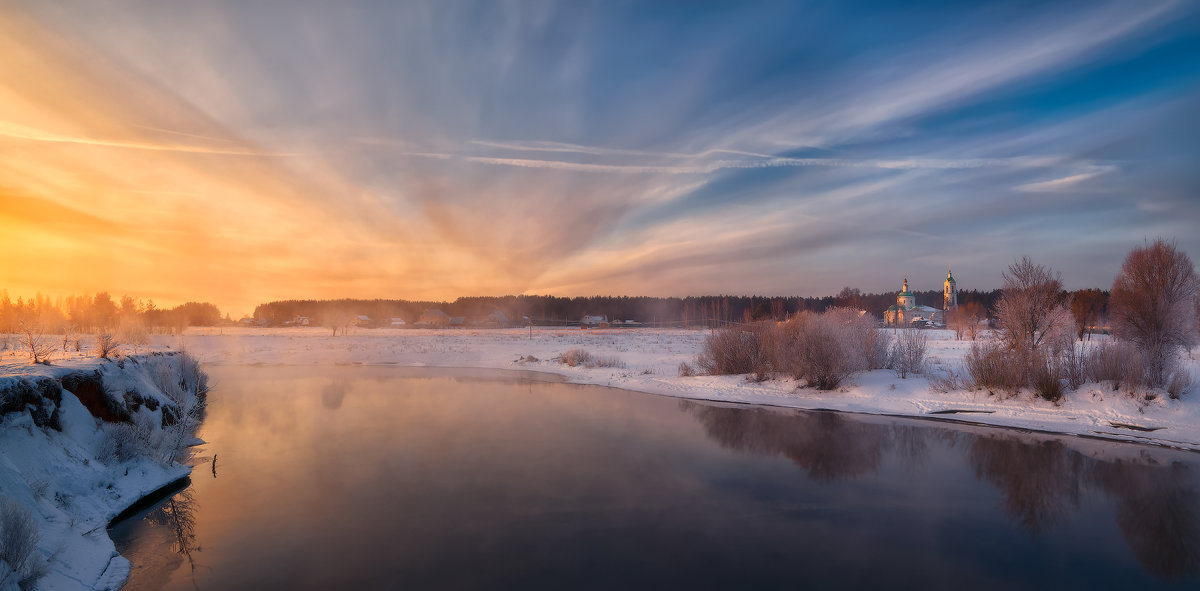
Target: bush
18,544
908,352
576,357
106,344
686,370
735,350
819,349
1046,381
992,366
1116,362
947,380
581,357
1180,384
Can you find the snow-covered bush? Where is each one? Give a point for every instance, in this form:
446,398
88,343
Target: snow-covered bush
189,392
582,357
106,344
19,561
37,345
576,357
164,435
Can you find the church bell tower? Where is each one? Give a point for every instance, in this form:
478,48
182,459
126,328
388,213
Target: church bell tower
949,292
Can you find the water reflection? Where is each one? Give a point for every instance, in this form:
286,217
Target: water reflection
334,393
163,541
1040,478
824,444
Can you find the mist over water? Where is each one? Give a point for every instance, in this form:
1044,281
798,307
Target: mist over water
359,477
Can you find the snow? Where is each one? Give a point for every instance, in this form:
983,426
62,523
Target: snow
651,359
70,493
73,496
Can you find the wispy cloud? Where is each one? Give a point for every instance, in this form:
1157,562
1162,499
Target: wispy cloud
435,149
1066,183
16,131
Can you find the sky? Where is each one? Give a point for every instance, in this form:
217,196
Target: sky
243,152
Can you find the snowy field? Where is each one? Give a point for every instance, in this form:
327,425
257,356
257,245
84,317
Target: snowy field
650,359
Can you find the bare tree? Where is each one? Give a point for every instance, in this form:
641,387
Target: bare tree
1030,313
36,344
973,316
1087,305
1152,305
337,319
106,344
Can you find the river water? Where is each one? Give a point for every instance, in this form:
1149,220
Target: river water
389,478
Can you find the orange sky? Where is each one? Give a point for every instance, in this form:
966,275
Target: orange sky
111,183
240,153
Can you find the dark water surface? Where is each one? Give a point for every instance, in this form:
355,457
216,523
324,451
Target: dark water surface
385,478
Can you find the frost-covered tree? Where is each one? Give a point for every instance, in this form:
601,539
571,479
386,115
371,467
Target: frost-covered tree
1030,313
37,345
1152,305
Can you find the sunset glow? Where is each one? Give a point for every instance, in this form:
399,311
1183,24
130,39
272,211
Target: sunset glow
240,153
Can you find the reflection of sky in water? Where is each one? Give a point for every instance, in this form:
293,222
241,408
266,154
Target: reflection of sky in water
358,478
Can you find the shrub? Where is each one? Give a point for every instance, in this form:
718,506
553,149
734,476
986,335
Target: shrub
576,357
1180,384
735,350
1046,381
18,543
581,357
992,366
686,370
106,344
820,352
908,352
947,380
1115,362
606,361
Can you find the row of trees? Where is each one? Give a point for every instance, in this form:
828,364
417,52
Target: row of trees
1152,309
88,313
1088,306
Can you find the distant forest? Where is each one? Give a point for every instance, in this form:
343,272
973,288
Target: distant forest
551,310
86,313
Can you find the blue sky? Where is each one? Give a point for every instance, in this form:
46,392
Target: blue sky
437,149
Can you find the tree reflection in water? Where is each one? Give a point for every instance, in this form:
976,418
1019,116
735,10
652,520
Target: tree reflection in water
166,541
1157,513
1041,477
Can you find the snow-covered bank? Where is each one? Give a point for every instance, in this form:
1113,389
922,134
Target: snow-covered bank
80,443
651,359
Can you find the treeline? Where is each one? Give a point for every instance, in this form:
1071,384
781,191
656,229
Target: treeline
689,311
88,313
550,310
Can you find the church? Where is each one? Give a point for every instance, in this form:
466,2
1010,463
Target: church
906,311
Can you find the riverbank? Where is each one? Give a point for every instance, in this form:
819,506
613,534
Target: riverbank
83,441
647,360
